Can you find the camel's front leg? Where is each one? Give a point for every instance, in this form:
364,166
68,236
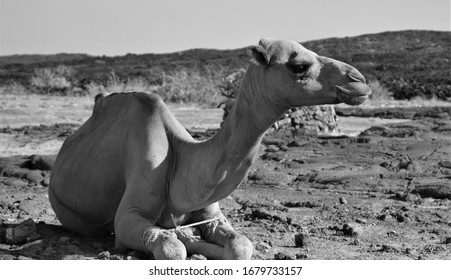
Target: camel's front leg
194,244
163,244
236,246
218,237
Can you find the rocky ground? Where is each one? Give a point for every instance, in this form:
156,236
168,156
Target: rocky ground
385,194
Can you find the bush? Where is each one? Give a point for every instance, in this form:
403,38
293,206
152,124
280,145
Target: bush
379,92
57,80
190,87
14,88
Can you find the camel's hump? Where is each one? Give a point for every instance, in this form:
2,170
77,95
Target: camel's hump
118,101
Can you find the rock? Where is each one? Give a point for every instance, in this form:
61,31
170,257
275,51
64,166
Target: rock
283,256
445,163
105,255
270,177
198,257
447,240
392,233
301,256
7,257
117,257
356,242
360,221
389,249
294,143
273,141
272,156
74,257
38,162
439,190
409,197
46,181
23,258
301,240
262,246
272,149
343,200
264,214
400,217
21,233
34,176
352,229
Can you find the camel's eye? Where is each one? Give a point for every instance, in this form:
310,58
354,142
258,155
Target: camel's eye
300,68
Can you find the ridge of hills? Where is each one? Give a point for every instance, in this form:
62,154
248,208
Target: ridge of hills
408,63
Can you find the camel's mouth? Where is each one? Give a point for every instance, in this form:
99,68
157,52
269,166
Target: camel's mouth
353,93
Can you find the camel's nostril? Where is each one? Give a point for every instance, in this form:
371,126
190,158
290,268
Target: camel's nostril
357,77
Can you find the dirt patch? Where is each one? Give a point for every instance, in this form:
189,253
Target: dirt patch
382,195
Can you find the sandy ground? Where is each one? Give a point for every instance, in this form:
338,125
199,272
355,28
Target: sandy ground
384,193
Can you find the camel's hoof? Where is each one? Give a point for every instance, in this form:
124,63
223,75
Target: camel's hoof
169,248
238,247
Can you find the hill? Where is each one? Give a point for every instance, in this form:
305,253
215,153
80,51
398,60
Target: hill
408,63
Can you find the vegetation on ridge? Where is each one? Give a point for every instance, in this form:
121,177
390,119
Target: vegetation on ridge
406,64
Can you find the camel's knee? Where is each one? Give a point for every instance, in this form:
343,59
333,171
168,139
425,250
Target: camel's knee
238,247
168,247
163,245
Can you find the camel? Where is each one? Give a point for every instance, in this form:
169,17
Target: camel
133,170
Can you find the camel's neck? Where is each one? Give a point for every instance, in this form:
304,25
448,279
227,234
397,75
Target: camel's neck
208,171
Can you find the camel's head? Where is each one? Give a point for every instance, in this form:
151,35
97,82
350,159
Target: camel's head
297,76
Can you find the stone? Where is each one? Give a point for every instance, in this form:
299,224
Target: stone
20,233
343,200
105,255
198,257
445,163
283,256
389,249
301,256
294,143
7,257
262,246
74,257
301,240
352,229
361,221
38,162
439,190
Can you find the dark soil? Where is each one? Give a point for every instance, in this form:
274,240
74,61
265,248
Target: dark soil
383,195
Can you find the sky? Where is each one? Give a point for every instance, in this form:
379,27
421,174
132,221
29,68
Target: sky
118,27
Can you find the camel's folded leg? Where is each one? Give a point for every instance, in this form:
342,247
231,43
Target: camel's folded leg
194,244
235,245
163,244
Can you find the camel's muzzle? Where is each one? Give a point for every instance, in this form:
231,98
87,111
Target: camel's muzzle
355,92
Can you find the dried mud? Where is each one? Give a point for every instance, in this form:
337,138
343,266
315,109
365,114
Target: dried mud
385,194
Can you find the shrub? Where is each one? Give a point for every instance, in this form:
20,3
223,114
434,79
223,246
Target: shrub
57,80
190,87
14,88
379,92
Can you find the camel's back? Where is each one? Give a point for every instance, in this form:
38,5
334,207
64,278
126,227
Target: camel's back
93,161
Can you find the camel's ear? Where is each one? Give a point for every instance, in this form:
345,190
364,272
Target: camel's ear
259,54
